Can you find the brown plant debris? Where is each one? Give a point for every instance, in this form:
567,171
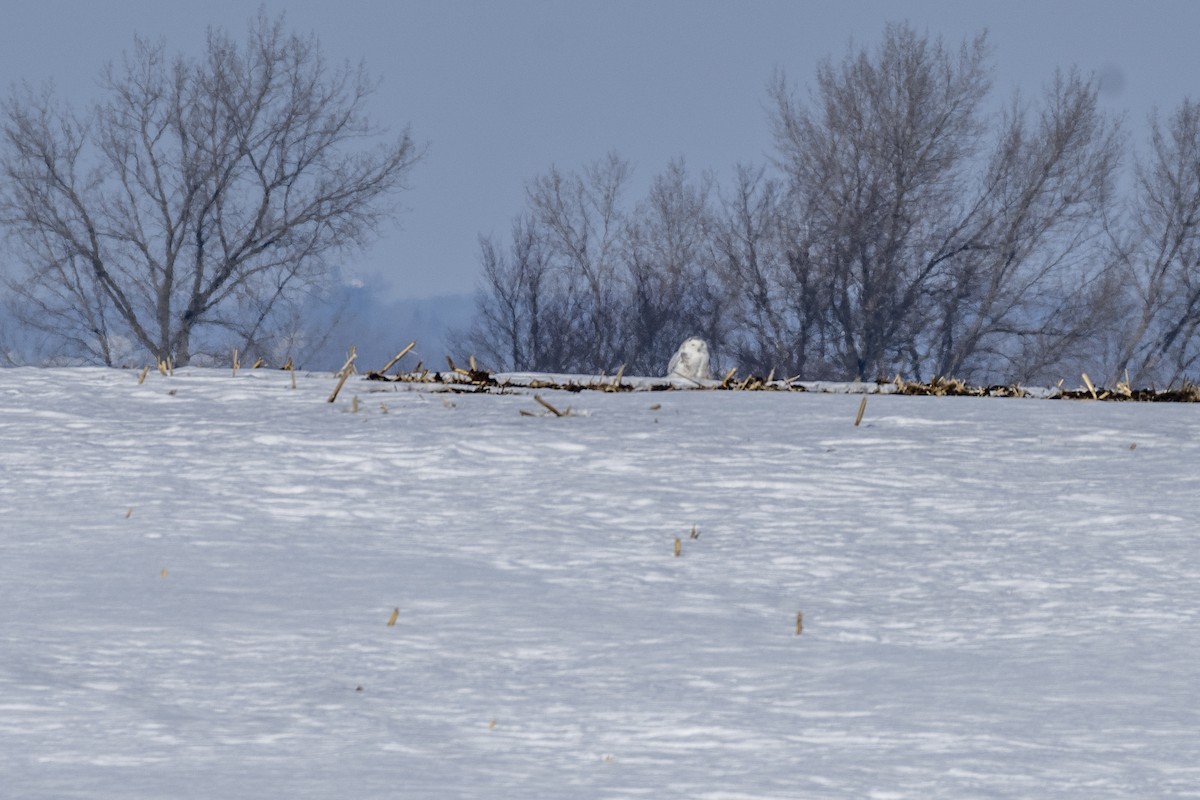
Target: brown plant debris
479,380
952,387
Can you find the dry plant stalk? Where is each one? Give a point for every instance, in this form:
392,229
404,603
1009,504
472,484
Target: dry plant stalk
678,546
862,407
456,369
345,373
728,377
292,370
236,363
354,405
393,617
1088,383
258,362
142,377
799,622
1124,387
695,534
399,356
550,408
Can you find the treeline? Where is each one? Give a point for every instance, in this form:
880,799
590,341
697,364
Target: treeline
903,225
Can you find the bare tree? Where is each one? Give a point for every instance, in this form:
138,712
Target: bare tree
515,325
200,195
876,164
581,224
1159,254
1016,296
936,247
777,303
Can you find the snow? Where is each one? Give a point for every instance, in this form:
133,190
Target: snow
1000,597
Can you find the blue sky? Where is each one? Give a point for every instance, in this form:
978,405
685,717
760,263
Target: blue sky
502,90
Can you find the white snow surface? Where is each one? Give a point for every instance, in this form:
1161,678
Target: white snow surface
1000,597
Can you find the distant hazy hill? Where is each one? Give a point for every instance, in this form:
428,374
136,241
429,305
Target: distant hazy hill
380,328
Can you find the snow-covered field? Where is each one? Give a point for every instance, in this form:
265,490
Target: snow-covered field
1000,598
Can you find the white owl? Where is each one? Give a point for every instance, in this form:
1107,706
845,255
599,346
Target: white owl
690,360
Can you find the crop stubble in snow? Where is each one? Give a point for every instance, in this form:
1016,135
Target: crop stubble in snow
1000,597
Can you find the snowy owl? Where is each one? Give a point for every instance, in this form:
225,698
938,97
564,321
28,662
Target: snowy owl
690,360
